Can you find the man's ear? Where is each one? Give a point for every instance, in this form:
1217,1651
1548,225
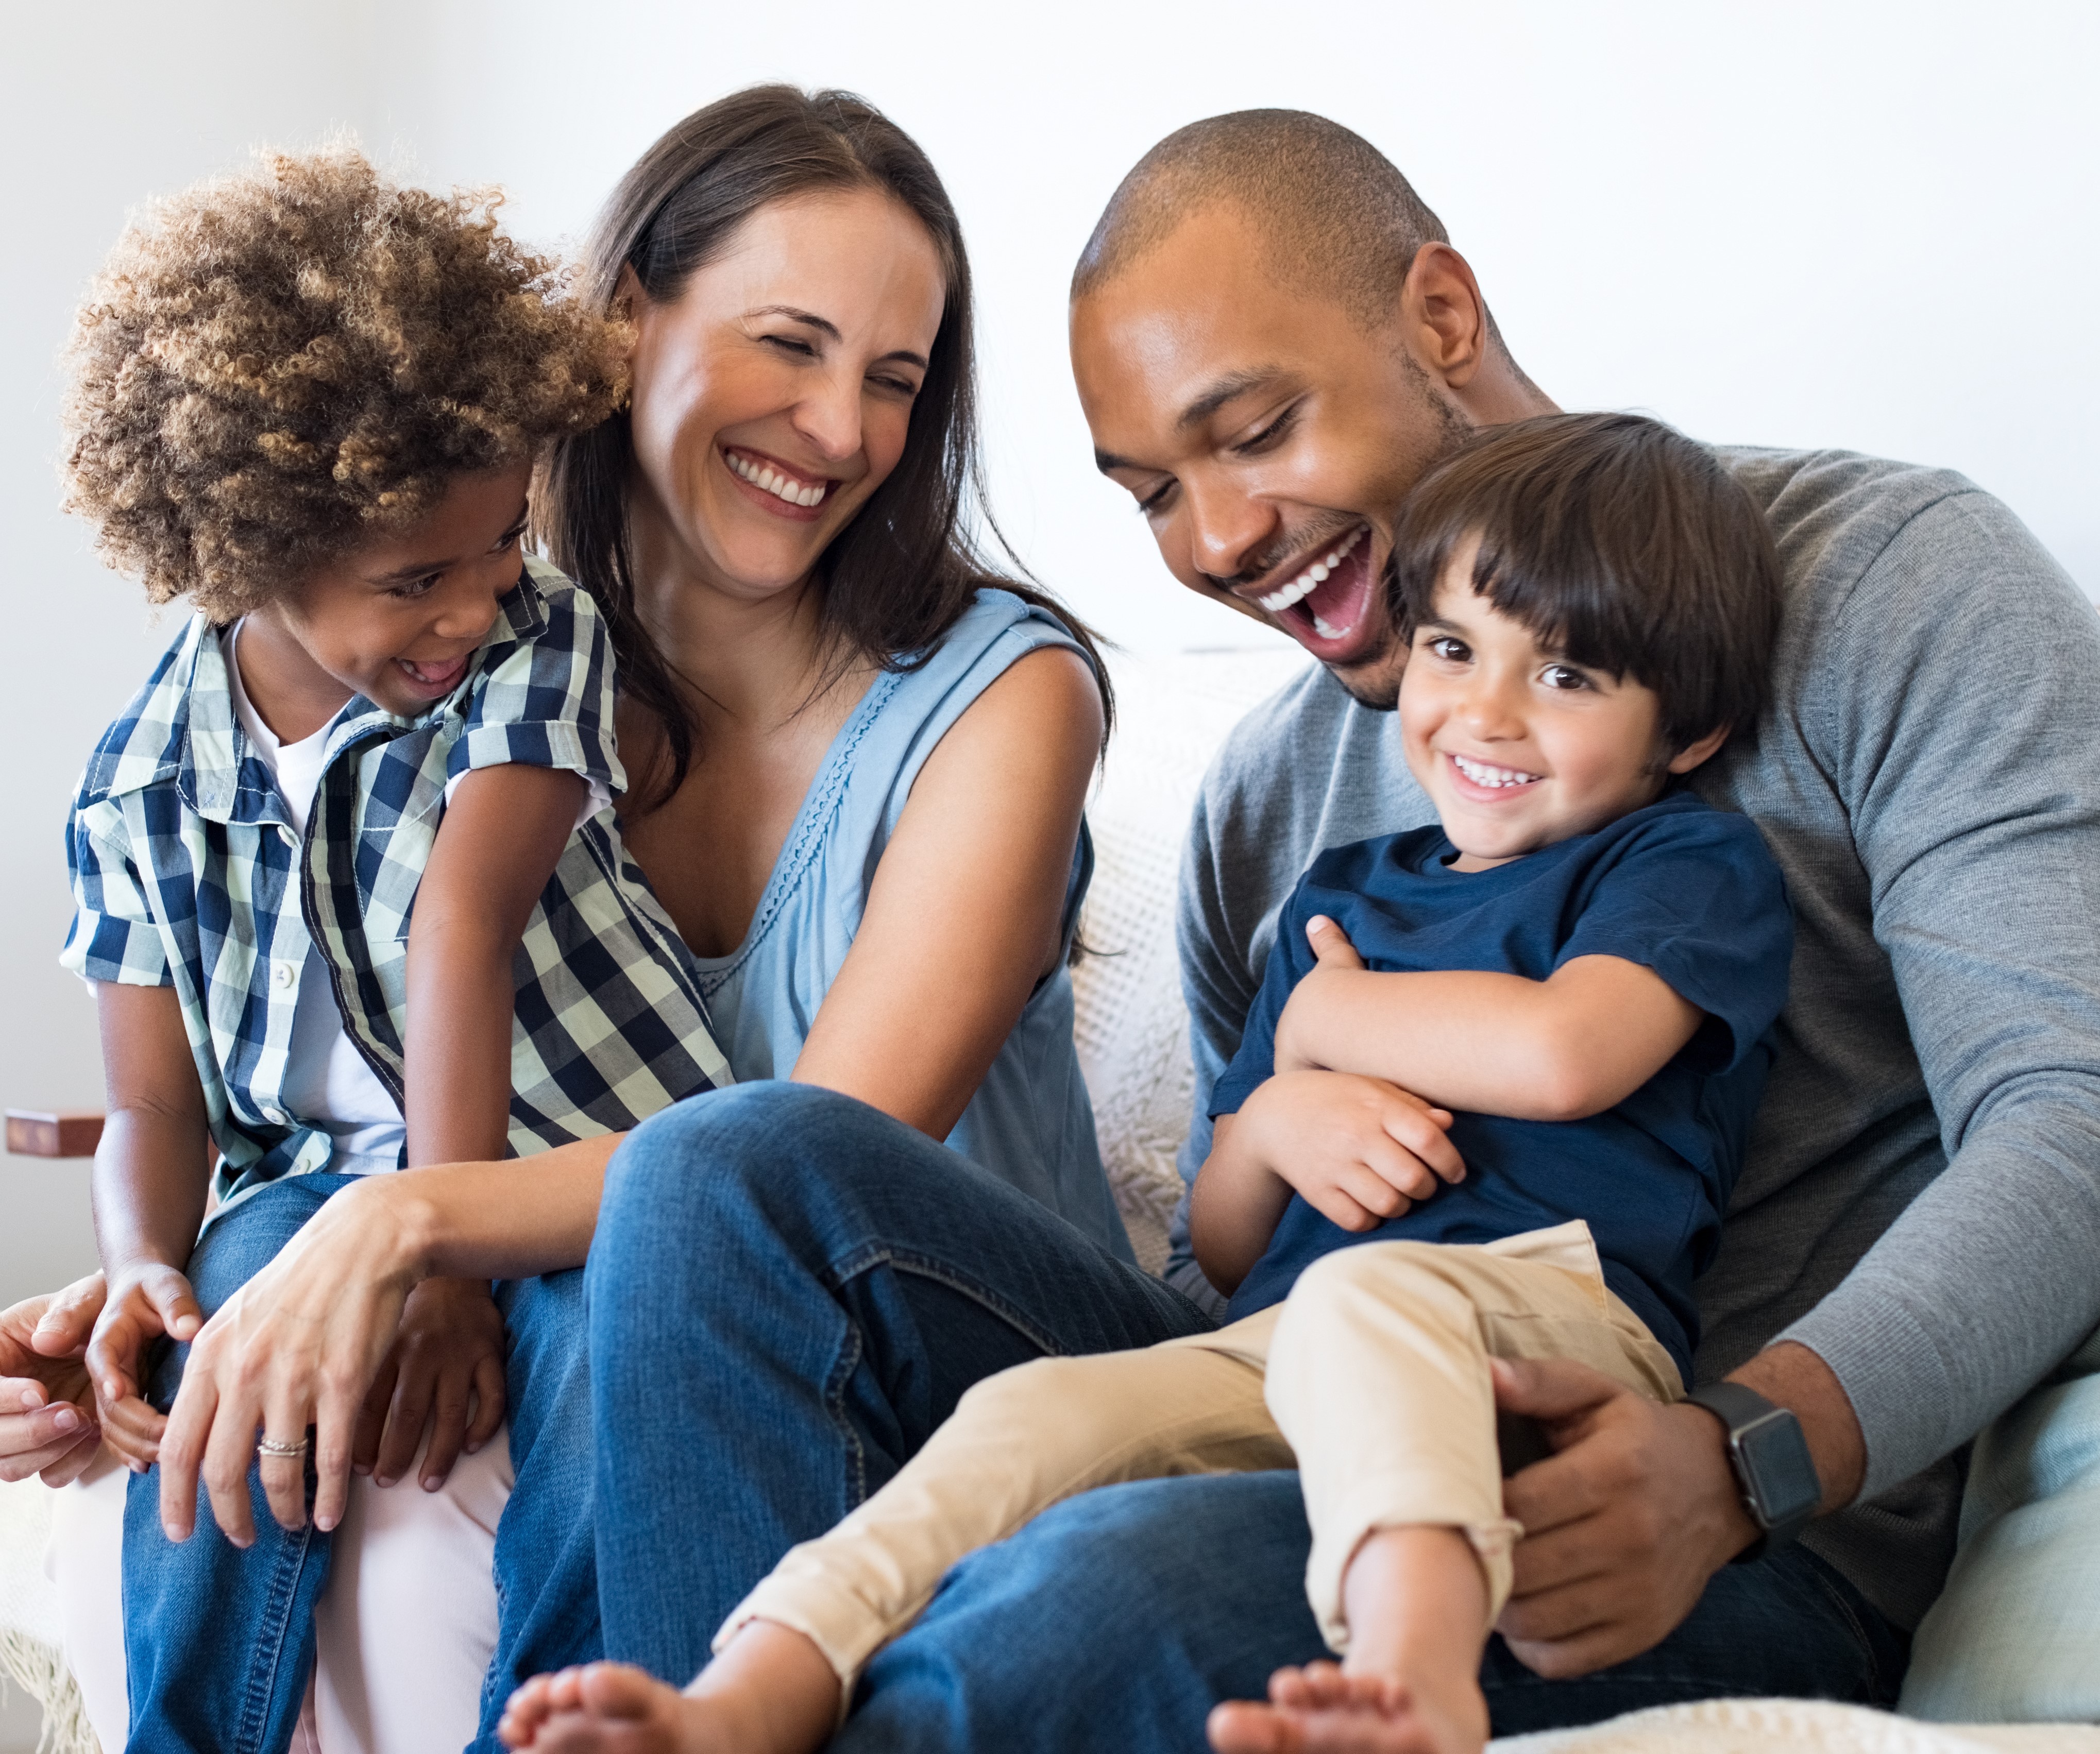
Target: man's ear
1694,755
1443,317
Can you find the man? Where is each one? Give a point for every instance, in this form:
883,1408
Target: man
1273,338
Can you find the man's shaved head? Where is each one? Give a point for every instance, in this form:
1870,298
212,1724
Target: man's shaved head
1339,218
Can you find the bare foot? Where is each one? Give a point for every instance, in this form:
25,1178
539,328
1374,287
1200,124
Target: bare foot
1320,1710
611,1708
771,1691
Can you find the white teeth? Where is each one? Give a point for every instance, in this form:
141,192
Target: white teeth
1312,578
779,486
1325,632
1481,774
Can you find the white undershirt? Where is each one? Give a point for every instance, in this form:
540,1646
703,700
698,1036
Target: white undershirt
327,1082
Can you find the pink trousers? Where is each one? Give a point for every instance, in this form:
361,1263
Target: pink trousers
405,1628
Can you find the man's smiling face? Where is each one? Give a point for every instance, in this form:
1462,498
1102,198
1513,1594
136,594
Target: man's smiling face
1269,436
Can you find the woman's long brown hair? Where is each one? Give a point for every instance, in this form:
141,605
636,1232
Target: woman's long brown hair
899,576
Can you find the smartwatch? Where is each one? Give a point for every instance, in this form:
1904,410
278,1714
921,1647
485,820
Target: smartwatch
1774,1469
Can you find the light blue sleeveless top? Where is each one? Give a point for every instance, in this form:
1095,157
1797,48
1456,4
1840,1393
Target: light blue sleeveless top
1031,1122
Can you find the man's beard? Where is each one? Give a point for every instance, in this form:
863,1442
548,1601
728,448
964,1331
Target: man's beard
1375,683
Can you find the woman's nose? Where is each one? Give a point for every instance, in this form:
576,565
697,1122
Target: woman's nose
829,418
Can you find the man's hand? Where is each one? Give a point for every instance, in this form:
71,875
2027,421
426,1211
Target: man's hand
445,1371
47,1422
1358,1150
145,1301
1623,1525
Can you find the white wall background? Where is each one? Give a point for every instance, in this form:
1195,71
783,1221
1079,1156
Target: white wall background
1867,225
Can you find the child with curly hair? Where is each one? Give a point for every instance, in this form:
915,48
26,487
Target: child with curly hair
349,887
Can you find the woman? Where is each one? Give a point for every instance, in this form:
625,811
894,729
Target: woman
859,768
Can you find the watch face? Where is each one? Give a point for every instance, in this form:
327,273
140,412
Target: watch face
1777,1469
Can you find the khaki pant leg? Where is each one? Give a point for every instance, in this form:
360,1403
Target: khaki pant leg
1017,1444
1378,1380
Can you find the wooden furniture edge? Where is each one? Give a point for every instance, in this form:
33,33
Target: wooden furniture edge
53,1133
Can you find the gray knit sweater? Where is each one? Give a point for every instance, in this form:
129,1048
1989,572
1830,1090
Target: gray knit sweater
1920,1203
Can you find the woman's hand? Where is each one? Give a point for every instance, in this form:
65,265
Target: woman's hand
295,1348
446,1372
47,1422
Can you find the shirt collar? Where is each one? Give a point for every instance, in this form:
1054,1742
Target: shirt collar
221,777
189,709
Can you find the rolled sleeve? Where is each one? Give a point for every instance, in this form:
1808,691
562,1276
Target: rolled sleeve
114,936
548,702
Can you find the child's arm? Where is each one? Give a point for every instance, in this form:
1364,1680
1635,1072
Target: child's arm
502,837
150,1180
1553,1049
1359,1150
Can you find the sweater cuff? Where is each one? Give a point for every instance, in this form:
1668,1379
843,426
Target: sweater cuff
1889,1365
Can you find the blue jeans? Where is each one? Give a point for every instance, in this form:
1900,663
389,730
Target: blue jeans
789,1290
1118,1619
219,1642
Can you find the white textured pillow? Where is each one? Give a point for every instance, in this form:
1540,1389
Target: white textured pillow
1132,1029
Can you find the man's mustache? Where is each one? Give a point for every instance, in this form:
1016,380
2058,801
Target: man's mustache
1264,561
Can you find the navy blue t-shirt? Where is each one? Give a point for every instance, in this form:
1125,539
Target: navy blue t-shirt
1678,887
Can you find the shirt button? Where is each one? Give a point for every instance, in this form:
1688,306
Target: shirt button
283,975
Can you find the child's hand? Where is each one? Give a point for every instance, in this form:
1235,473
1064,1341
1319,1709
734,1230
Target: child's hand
1335,956
1359,1150
146,1301
445,1370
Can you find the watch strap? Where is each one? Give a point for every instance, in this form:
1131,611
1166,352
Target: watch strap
1741,1411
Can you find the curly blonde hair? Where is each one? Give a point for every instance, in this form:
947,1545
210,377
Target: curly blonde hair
274,368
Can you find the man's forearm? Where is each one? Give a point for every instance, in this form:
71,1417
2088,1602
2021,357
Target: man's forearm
1982,1284
1791,1376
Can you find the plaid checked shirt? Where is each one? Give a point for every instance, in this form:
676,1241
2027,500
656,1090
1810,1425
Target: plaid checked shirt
188,872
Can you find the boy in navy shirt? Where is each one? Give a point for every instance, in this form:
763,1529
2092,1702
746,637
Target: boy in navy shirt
1490,1103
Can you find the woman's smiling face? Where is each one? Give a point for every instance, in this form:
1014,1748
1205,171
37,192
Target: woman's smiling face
772,396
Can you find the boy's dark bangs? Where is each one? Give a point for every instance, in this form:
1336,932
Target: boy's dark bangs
1586,617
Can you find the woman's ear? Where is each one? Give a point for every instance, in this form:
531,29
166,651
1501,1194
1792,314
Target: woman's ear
628,296
1694,755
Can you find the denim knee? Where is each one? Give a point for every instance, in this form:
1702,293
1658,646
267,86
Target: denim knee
768,1147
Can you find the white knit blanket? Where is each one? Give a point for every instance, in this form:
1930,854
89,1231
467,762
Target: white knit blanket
1762,1726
